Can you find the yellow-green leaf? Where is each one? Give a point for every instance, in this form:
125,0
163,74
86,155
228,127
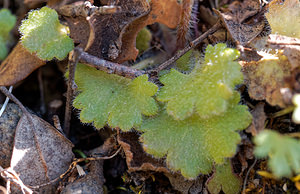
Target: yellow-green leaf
207,89
194,144
42,33
113,100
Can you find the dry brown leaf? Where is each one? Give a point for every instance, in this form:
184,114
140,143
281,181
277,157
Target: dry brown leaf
258,119
79,28
40,154
18,65
136,158
162,11
112,36
243,20
265,78
291,47
8,123
106,30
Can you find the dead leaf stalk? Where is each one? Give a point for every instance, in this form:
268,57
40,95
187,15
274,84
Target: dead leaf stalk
192,45
184,24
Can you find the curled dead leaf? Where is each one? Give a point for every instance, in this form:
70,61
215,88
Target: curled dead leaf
18,65
265,78
243,20
165,12
112,36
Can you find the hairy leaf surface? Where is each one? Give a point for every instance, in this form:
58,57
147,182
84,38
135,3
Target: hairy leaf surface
224,179
42,33
192,145
118,101
7,22
283,152
207,89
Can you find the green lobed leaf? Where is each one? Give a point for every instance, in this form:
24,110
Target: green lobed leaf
3,49
42,33
193,145
7,23
118,101
207,89
283,152
224,179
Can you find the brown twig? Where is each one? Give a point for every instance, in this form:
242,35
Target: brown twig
121,70
73,165
109,67
13,98
73,60
87,9
192,44
56,123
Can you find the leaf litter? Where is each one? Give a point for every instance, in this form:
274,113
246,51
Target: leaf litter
244,21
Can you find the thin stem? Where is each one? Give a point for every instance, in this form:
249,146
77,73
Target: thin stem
5,102
192,45
282,112
246,178
41,87
13,98
73,60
